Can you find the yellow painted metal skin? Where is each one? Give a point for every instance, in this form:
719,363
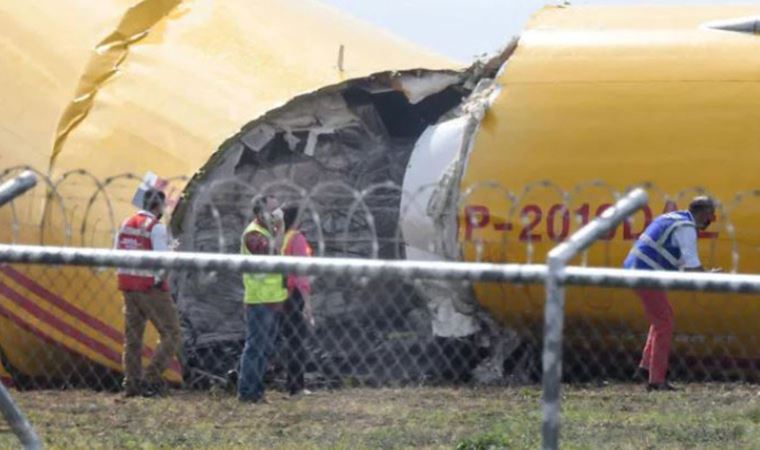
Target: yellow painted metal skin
116,86
624,96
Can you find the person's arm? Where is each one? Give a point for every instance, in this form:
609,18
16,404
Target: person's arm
159,240
256,243
116,237
686,238
299,247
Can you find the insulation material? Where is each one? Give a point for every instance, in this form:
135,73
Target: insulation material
438,149
431,203
418,89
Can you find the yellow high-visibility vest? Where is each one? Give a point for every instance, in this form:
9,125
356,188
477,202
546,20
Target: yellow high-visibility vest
261,288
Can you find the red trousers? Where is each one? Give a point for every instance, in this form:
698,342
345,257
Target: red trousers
657,349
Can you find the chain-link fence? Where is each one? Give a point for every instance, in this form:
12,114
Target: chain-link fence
69,320
64,325
553,275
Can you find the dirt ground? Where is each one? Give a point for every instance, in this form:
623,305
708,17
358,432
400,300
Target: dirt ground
613,416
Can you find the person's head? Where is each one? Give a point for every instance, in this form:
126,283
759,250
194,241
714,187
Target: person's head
154,201
702,208
263,207
290,215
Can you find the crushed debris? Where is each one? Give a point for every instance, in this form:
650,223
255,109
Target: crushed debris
333,143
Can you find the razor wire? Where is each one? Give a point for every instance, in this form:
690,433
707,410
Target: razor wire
382,316
73,196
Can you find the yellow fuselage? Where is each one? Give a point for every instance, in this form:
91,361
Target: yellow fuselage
114,88
595,101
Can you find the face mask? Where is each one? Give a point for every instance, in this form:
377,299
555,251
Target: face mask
161,213
266,219
709,220
277,219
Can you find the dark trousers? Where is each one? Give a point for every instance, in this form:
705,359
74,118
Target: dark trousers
294,333
260,336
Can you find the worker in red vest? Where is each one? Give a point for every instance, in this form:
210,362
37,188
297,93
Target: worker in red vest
297,317
146,297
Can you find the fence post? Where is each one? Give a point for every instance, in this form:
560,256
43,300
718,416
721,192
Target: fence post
17,186
554,314
18,423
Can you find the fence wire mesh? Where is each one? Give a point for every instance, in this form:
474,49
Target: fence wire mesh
55,343
64,326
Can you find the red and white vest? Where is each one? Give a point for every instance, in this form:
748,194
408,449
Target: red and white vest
134,234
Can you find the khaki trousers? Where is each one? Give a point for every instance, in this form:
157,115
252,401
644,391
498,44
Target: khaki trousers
139,307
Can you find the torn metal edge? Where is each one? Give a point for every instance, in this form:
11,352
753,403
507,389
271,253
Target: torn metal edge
388,80
107,56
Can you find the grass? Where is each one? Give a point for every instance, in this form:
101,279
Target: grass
615,416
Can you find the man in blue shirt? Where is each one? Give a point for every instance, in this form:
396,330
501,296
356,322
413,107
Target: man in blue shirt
668,243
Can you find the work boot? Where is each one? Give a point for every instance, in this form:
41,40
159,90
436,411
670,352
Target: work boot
258,400
297,393
664,386
231,380
151,390
641,374
131,390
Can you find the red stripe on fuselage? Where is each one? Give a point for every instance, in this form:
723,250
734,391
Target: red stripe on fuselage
59,302
76,312
21,323
58,324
